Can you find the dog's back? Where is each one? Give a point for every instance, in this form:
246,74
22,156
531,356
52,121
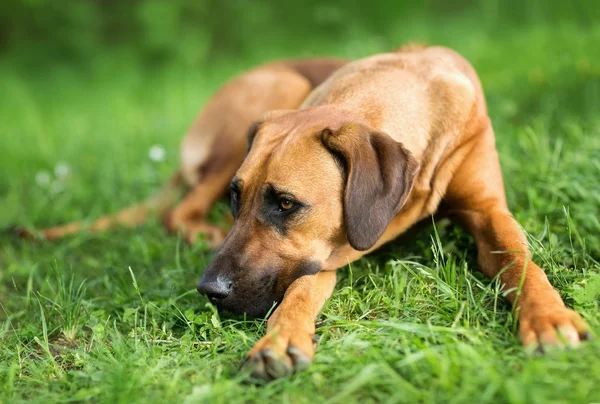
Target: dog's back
427,98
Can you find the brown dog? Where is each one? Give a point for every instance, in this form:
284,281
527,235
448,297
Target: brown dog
380,145
384,142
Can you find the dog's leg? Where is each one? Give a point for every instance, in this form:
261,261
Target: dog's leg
129,217
476,198
289,344
189,216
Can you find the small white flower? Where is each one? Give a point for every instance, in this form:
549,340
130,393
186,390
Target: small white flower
157,153
61,170
42,179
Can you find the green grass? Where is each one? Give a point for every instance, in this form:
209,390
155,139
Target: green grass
114,317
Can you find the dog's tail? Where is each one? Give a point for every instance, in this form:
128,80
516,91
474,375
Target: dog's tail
131,216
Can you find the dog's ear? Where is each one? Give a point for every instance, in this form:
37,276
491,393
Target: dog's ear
379,176
252,131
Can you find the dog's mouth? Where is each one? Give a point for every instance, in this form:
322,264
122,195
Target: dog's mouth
255,310
254,293
243,297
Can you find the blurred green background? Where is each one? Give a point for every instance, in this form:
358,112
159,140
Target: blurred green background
195,32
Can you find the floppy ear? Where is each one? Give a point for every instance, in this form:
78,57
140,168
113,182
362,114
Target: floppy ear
251,134
379,176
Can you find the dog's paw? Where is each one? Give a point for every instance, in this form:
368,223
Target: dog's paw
280,354
542,329
213,235
193,230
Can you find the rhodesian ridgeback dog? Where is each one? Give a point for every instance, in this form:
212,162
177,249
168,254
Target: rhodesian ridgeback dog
340,168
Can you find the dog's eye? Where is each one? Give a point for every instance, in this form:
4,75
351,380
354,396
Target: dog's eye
285,205
235,201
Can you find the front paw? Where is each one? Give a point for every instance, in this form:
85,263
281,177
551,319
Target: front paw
213,235
543,328
280,353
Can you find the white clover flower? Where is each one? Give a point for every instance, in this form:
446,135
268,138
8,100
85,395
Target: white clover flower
42,179
157,153
61,170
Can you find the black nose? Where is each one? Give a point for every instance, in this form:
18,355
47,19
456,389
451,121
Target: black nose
215,289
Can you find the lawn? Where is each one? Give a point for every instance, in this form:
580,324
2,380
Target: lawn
115,317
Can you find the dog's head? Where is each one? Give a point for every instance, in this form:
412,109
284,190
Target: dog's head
313,181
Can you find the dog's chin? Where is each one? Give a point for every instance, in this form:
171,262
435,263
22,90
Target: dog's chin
248,309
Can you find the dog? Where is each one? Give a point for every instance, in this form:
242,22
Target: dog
343,162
